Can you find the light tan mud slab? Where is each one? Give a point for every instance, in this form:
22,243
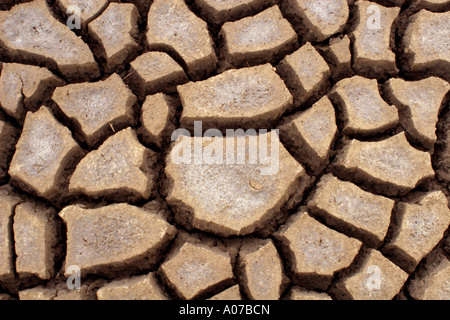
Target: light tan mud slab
250,97
262,38
30,33
97,109
174,28
204,195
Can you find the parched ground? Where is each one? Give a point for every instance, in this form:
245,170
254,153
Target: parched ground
91,181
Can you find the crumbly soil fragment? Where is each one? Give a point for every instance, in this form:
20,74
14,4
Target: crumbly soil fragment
113,239
362,110
425,44
8,137
316,21
197,269
29,33
316,251
373,56
115,31
136,288
376,278
44,151
173,28
250,97
262,271
154,72
4,297
391,166
352,210
9,199
157,119
420,227
420,103
84,293
205,195
311,134
97,109
306,74
121,169
298,293
259,39
35,238
57,291
232,293
432,282
24,87
37,293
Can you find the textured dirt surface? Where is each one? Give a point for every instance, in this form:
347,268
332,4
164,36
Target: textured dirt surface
91,176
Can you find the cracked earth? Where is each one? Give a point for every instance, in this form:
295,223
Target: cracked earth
359,208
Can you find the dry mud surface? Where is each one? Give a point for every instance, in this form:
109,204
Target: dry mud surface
357,208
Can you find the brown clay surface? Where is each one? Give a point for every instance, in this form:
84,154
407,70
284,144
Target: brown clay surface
350,199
